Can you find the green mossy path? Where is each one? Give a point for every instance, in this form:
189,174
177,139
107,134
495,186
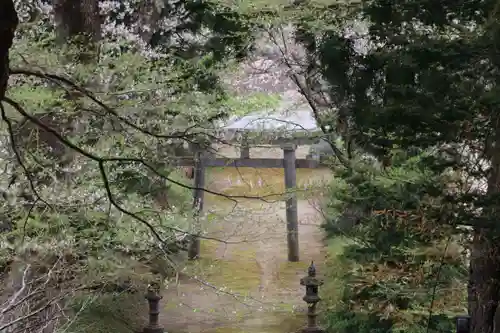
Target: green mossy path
248,286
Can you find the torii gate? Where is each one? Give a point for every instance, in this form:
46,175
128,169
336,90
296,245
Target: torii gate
287,130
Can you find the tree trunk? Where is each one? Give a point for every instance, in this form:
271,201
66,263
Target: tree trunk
79,21
484,281
484,271
8,25
149,16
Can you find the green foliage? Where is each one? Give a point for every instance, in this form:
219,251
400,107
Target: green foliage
102,195
400,251
414,85
119,312
83,219
241,106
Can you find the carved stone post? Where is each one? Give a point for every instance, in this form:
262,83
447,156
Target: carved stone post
292,219
245,147
312,285
463,324
198,199
153,298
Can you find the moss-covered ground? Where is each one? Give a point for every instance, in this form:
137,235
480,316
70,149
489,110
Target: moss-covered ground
240,275
248,285
268,183
245,285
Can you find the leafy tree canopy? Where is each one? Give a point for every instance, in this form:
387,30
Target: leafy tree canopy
93,202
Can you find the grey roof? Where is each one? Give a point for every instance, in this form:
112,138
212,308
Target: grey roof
277,121
288,122
284,123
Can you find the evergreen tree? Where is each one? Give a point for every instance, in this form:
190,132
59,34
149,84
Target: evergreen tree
426,80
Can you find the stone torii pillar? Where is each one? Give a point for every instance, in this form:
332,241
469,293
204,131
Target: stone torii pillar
292,219
198,199
245,147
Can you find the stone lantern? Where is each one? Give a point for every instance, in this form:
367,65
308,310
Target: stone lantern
153,298
312,285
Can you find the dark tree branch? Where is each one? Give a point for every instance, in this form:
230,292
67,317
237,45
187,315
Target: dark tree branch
61,81
101,162
18,156
305,91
